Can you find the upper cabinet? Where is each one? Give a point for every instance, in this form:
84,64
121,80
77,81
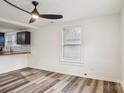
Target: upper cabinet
24,38
2,39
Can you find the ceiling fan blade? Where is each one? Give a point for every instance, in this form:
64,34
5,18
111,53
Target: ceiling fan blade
51,16
17,7
32,20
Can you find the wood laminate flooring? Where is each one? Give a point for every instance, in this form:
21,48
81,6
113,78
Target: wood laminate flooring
29,80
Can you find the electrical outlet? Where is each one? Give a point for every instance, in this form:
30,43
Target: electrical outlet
85,74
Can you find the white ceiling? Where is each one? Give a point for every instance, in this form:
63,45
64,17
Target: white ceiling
70,9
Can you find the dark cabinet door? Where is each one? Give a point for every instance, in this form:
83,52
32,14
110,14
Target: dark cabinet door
28,38
23,37
19,38
2,39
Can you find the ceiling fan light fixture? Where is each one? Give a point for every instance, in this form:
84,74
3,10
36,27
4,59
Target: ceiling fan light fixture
35,16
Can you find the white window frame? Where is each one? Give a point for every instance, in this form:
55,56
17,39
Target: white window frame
71,61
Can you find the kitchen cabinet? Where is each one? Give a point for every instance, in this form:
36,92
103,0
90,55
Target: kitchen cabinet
24,38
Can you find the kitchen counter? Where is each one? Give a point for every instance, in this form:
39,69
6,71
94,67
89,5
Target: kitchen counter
13,53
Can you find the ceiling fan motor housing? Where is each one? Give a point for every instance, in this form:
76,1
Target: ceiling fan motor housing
35,3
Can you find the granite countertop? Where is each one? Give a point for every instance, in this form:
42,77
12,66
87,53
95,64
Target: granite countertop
13,53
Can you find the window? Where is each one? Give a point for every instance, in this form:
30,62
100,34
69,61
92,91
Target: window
71,45
10,40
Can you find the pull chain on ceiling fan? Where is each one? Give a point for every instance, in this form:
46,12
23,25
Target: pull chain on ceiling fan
35,14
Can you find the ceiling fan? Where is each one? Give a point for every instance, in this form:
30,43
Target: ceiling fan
35,14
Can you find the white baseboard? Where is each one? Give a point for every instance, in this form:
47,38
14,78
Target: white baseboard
77,74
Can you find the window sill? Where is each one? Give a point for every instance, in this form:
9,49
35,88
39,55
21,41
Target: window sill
74,62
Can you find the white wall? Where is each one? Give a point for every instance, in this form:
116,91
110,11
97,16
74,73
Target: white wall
101,48
12,62
122,41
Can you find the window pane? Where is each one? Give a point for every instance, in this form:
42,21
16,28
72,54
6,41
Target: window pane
71,36
71,52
